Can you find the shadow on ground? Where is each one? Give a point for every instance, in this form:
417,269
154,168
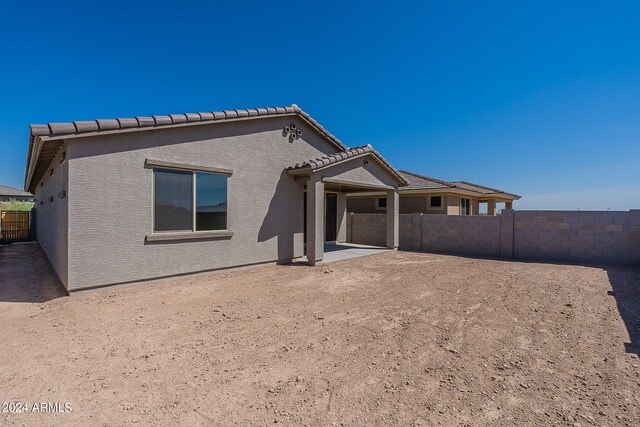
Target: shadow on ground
625,285
26,275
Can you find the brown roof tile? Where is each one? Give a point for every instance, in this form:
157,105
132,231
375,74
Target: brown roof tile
128,123
145,121
86,126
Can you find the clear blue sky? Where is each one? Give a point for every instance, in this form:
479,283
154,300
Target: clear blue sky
541,99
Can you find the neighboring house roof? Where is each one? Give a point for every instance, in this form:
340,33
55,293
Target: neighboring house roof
480,188
55,130
13,192
417,181
421,182
351,153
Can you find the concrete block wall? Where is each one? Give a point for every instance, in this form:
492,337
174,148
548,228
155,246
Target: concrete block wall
634,236
602,237
582,236
505,244
406,232
367,229
468,235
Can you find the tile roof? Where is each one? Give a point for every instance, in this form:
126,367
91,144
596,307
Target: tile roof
10,191
98,125
331,159
151,122
419,182
480,188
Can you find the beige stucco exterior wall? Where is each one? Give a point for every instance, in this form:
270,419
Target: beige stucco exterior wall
410,204
52,216
364,205
110,203
362,170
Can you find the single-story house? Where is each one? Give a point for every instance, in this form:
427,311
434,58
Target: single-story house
9,193
435,196
134,199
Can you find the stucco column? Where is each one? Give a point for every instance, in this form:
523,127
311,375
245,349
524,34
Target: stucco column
475,207
508,205
393,219
491,207
341,235
315,220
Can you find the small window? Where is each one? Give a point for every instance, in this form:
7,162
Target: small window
435,202
189,201
381,203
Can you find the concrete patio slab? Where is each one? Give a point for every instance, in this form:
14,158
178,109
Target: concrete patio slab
340,251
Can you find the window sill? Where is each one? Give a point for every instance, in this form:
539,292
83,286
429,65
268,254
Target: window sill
189,235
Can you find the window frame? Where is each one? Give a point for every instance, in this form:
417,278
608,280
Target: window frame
435,208
378,207
154,236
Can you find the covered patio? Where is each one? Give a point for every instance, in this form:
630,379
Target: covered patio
327,180
340,251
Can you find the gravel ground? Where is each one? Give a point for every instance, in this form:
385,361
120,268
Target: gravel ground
391,339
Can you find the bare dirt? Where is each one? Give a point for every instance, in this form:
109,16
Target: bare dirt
391,339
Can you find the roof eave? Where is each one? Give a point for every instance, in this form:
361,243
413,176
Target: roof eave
78,129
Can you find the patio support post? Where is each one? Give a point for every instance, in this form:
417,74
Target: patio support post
315,220
342,218
508,205
393,219
491,207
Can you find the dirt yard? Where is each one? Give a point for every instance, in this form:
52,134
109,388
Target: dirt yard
391,339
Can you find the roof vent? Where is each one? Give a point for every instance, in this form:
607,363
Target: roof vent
291,132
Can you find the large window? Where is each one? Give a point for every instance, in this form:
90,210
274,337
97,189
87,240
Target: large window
189,201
